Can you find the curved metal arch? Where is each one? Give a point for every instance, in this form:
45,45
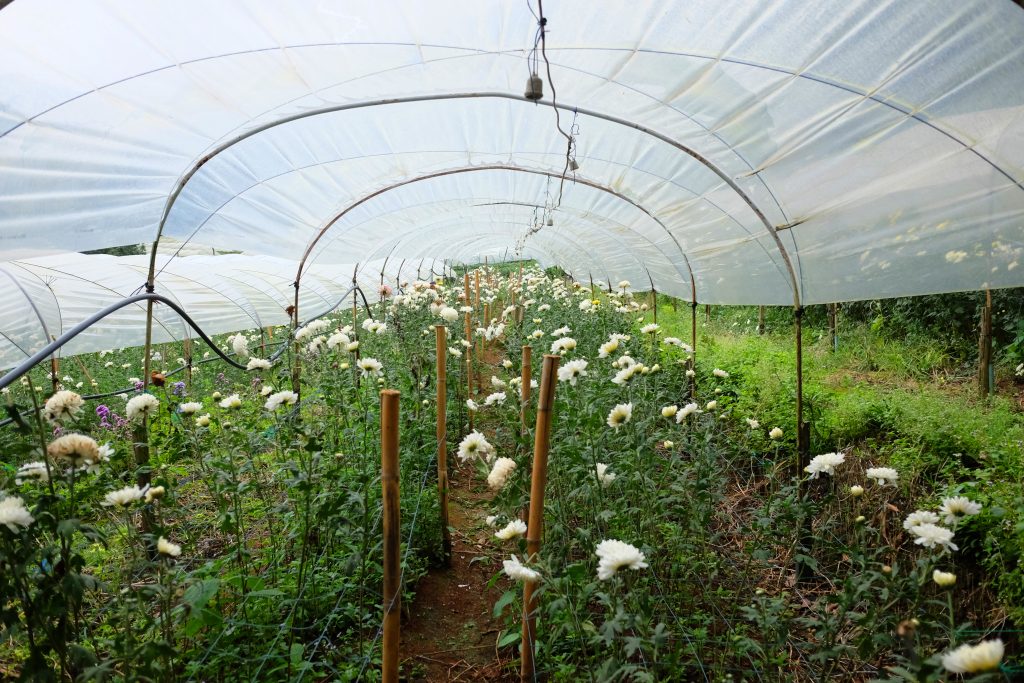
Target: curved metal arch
218,149
488,167
596,224
548,250
417,230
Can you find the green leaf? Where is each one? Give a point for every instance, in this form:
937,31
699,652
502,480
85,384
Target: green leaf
504,601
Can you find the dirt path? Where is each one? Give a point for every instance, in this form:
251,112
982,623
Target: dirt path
450,634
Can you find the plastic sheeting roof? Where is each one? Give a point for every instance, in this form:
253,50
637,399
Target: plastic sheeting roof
881,142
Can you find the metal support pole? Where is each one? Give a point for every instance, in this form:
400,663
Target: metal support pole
442,439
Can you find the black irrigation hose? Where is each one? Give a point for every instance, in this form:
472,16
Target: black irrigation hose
26,366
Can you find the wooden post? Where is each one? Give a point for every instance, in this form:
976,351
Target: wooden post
469,298
985,347
654,303
487,315
535,527
476,274
693,348
833,340
760,319
442,438
524,390
707,313
801,447
392,532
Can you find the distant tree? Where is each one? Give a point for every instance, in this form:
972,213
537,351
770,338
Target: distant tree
125,250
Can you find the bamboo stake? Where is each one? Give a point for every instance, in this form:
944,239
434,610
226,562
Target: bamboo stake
442,439
693,348
541,444
392,531
476,274
487,315
524,390
760,319
833,339
654,304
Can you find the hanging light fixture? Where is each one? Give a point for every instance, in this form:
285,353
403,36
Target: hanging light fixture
534,87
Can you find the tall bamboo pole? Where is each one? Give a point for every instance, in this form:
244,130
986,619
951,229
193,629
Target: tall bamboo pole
693,348
760,319
524,390
476,274
442,439
534,529
392,531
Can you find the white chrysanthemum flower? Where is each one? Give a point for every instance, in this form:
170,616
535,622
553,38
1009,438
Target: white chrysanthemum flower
544,307
165,547
513,529
240,345
454,352
626,374
825,463
497,397
203,420
266,390
719,373
232,402
603,475
572,371
141,406
14,514
934,536
77,449
275,401
351,347
620,415
624,361
338,339
652,328
669,411
672,341
32,470
615,555
686,411
915,519
537,334
943,579
586,305
370,367
711,405
969,659
500,473
883,476
63,405
190,408
472,405
474,445
956,508
856,491
561,332
515,570
449,314
563,345
752,423
775,433
155,493
691,373
258,364
491,520
466,309
124,497
623,284
497,383
608,348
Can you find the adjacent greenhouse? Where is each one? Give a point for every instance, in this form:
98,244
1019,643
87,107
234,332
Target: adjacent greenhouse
354,340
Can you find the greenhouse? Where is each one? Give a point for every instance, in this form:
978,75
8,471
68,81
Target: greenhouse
512,340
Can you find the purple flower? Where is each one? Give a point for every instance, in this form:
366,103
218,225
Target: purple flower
102,412
178,388
139,385
221,378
